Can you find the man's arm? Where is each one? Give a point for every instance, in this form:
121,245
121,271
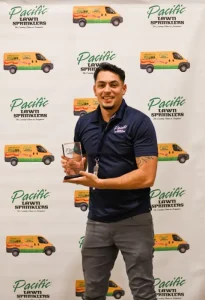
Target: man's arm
141,178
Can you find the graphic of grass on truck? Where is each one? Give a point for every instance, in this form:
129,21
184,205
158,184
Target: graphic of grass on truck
28,244
113,289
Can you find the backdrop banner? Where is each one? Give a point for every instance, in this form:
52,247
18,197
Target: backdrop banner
49,53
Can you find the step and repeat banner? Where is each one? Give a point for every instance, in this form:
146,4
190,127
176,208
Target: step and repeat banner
49,52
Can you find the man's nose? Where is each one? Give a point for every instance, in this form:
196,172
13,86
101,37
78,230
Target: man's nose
107,88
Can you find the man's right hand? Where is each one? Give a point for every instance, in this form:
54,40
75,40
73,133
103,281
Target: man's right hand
72,166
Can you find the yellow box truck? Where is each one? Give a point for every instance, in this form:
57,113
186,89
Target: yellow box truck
27,153
172,152
83,106
113,289
170,241
95,14
28,244
163,60
26,61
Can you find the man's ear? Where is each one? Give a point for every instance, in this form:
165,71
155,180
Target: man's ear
94,89
124,89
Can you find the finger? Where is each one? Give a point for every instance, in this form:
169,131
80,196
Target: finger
85,174
74,180
83,159
65,158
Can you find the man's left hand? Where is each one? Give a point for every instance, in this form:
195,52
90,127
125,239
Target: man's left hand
87,179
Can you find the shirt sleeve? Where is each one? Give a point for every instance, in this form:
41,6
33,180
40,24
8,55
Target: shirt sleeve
77,136
145,140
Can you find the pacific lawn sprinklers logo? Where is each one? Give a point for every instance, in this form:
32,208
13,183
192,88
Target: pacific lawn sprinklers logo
34,290
171,200
28,18
90,62
29,111
166,17
34,202
166,109
171,289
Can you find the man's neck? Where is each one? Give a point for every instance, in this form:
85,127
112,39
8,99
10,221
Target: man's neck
108,113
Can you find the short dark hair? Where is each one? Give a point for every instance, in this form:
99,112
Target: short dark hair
109,67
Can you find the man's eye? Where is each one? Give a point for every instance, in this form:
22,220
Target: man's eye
100,85
114,85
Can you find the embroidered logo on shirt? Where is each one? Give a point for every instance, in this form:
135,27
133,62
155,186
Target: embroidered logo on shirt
120,129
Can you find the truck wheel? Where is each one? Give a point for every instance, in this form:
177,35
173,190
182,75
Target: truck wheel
115,22
149,69
48,252
47,161
14,162
82,113
15,252
46,69
82,23
117,295
83,207
182,159
182,249
183,68
13,70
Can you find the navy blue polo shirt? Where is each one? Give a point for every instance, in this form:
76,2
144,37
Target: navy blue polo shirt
129,134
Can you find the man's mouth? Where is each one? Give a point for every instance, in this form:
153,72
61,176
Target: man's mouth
108,98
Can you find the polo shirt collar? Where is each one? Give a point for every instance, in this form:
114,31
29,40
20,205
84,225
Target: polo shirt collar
97,117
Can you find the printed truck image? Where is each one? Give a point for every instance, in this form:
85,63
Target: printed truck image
26,61
172,152
163,60
82,199
95,14
83,106
28,244
170,241
27,153
113,289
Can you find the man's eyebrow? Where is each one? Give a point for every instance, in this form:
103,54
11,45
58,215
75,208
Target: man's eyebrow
113,81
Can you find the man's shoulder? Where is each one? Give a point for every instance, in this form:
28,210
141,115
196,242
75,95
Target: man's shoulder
88,117
135,115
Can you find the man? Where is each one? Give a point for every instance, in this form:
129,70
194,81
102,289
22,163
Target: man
120,146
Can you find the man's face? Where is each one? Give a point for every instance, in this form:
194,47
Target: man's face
109,90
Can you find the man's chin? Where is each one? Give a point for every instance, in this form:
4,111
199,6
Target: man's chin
108,107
